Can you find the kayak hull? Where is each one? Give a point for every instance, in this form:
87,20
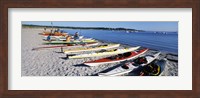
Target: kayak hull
70,45
92,49
72,42
108,60
115,73
54,34
107,53
120,71
63,38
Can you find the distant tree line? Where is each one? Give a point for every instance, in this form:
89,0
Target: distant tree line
94,28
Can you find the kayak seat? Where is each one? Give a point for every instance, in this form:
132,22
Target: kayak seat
127,54
112,57
141,60
125,66
104,45
152,70
120,56
103,50
156,70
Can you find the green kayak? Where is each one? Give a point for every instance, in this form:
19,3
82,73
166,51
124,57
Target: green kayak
71,42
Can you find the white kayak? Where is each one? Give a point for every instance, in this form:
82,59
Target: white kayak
130,66
105,53
63,38
80,38
54,37
96,48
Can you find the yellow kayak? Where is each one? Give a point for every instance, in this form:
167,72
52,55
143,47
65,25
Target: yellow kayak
96,48
106,53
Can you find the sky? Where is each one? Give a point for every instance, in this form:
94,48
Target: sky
147,26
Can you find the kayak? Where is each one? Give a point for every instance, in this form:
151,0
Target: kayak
153,69
105,53
54,37
130,66
96,48
71,42
53,34
117,58
67,45
63,38
80,37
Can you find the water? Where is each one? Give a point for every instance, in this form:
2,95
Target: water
167,42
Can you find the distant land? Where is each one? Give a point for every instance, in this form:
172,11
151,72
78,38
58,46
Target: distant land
86,28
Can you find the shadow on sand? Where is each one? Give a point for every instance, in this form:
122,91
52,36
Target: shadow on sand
58,52
64,58
81,65
67,55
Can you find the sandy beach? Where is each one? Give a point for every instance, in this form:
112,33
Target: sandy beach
52,62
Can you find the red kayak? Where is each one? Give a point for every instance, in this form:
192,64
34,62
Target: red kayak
68,45
53,34
117,58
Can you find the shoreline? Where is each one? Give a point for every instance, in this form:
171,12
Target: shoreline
51,62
